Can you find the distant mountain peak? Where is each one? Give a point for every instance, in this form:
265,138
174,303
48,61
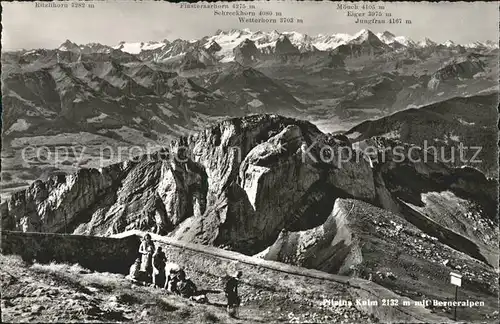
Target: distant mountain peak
212,46
246,52
68,46
363,33
68,42
282,37
285,46
405,41
363,36
388,34
223,42
237,31
427,42
449,43
366,37
387,37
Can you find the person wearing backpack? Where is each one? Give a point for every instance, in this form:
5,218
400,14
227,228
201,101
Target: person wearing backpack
185,286
159,262
231,292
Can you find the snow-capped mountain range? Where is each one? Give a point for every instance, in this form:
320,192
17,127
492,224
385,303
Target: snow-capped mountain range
223,43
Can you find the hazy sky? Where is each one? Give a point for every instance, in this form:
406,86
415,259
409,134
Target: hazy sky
25,26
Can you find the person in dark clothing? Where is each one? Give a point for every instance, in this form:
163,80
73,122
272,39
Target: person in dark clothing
159,262
231,291
187,289
185,286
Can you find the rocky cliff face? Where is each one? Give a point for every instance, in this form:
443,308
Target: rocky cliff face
463,67
460,131
243,181
237,183
454,206
359,239
284,46
279,186
246,53
364,43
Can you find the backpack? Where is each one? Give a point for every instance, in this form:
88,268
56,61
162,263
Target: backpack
159,261
231,285
186,288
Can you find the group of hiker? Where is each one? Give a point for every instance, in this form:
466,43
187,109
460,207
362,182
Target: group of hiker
152,267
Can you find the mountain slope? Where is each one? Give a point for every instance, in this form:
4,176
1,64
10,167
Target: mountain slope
252,90
443,127
103,96
359,239
364,43
146,93
241,183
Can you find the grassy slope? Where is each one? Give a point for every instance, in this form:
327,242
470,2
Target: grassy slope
69,293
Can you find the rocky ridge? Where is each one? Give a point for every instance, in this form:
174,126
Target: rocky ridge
240,183
279,185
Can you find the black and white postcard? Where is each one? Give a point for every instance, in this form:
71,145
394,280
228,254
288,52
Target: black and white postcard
249,162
